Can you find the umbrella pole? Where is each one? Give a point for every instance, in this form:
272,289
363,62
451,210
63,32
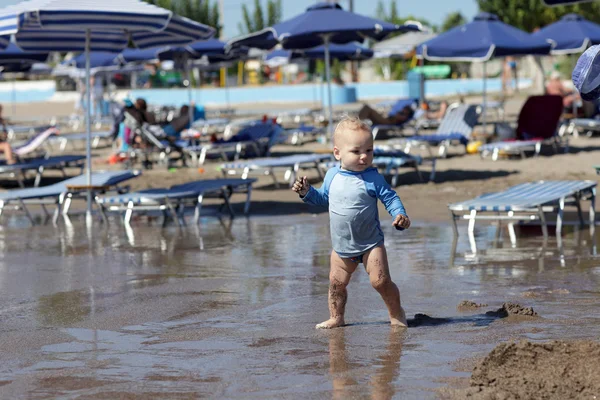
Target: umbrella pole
189,79
328,77
14,97
484,111
88,127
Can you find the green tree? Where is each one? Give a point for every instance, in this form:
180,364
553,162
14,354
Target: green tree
394,17
452,20
256,20
203,11
530,15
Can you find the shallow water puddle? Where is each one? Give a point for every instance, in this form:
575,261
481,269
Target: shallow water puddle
228,309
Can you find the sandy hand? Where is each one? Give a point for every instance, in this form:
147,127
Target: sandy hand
301,186
401,222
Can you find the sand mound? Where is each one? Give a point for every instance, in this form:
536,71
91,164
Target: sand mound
509,309
469,305
525,370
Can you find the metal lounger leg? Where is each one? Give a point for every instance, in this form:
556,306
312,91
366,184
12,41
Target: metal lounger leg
543,222
198,208
26,211
453,219
128,213
472,217
45,210
226,199
579,212
66,205
202,157
245,173
432,175
395,177
495,154
418,170
271,172
593,211
102,211
559,217
511,230
471,231
318,168
248,199
173,211
1,207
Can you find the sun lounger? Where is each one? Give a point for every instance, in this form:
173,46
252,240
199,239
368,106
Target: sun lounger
298,136
204,127
538,124
173,200
253,140
39,165
390,161
587,125
97,138
24,131
527,202
382,130
456,128
269,166
35,143
61,194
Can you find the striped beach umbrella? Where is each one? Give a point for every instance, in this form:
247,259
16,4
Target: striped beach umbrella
94,25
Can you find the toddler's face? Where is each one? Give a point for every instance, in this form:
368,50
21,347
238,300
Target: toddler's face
354,149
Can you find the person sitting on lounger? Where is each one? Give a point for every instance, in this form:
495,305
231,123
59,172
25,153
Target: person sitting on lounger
402,116
556,87
135,117
4,145
182,121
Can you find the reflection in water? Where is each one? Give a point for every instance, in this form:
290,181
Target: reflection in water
384,379
385,371
339,368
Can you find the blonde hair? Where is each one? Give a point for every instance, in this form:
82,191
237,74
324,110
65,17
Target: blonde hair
353,124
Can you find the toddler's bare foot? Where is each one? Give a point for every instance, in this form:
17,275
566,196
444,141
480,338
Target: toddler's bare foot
330,323
400,320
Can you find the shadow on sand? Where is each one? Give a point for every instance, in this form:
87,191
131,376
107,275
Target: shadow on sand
425,320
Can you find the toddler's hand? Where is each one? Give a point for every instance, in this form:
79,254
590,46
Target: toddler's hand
401,222
301,186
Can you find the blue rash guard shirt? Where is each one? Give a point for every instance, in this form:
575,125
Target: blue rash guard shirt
352,201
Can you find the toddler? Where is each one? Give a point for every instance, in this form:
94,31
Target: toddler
351,191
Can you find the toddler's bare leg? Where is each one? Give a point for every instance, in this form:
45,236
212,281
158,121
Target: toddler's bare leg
339,277
376,263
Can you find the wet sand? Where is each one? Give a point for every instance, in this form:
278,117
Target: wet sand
228,310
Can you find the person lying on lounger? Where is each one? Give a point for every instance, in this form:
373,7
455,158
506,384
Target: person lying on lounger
405,114
4,145
174,128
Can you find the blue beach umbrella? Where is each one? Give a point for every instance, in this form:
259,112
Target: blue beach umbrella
98,59
480,40
341,52
107,25
212,49
13,54
13,60
571,34
137,55
321,24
